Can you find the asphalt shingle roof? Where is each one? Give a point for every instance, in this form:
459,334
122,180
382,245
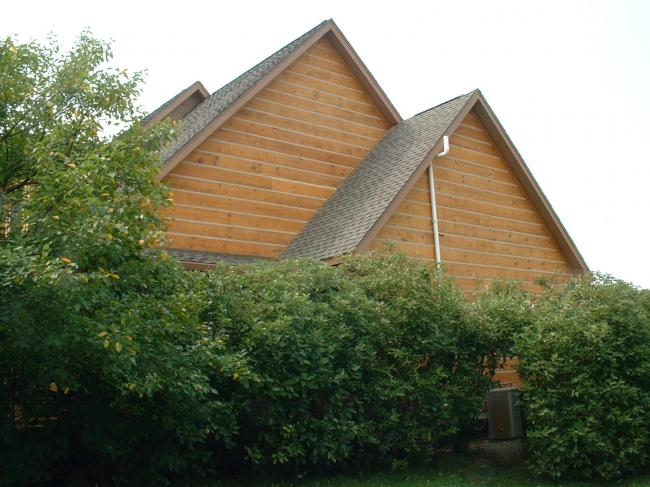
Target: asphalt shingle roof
349,214
212,257
220,100
146,119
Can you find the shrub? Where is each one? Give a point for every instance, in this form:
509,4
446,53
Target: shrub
499,313
350,364
585,362
102,355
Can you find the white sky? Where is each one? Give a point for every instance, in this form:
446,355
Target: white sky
569,80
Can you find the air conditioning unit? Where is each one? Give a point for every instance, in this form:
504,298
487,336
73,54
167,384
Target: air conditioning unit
504,417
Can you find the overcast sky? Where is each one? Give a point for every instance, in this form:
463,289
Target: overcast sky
569,80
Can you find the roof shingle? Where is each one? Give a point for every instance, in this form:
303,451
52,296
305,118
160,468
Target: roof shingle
360,201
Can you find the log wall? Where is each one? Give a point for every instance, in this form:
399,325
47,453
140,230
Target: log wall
253,184
488,227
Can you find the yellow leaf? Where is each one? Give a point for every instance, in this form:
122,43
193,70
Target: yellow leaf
66,390
55,217
54,387
207,431
106,343
105,194
140,242
118,347
65,259
72,165
235,376
103,334
131,386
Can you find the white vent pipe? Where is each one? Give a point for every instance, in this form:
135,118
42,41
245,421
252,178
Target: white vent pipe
432,192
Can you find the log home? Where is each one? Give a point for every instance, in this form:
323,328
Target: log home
305,156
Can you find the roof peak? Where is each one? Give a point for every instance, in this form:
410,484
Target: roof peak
208,116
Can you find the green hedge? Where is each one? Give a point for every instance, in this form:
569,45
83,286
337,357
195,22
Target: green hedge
372,361
585,362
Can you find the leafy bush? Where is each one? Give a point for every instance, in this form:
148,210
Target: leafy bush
585,362
102,356
499,313
362,362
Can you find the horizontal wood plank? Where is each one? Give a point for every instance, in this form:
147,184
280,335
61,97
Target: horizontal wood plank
245,193
248,166
296,150
473,133
225,217
459,165
475,244
225,246
475,145
320,108
308,128
324,75
463,154
449,201
184,196
471,120
324,64
488,232
301,114
474,270
241,150
398,234
230,232
297,138
322,97
334,89
499,260
479,182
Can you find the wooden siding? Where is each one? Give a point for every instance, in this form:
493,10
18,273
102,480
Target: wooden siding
252,185
488,227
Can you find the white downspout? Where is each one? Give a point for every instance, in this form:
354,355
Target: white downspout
432,192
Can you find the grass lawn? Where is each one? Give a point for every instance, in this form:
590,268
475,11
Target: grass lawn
446,470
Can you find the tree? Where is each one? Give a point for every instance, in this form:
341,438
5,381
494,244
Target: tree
100,341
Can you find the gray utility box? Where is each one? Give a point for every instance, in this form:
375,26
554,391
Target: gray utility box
504,418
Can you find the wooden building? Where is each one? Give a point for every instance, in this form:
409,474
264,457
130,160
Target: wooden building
304,155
